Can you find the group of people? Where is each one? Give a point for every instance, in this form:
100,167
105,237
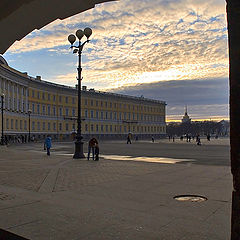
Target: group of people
92,147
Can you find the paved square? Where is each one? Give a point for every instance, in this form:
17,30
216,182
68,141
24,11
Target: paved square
128,194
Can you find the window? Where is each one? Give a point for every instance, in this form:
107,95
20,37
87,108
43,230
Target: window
60,111
85,101
11,123
20,124
66,99
25,124
49,110
38,125
97,114
96,103
43,126
54,111
66,111
33,93
92,128
66,126
96,128
110,115
73,112
7,123
106,127
86,127
54,126
120,116
110,128
120,129
110,105
16,124
38,95
106,115
101,115
60,126
33,108
102,128
43,96
33,125
49,126
38,109
49,97
86,113
101,103
60,98
105,104
91,114
73,100
43,109
91,102
54,98
115,116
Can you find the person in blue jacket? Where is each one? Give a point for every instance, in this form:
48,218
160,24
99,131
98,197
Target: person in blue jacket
48,144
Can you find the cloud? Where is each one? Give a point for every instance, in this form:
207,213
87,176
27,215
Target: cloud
140,41
206,98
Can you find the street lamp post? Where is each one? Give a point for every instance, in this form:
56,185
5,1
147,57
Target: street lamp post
29,124
2,99
78,49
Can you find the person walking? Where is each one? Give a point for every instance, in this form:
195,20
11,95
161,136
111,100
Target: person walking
96,152
128,140
48,144
91,147
152,138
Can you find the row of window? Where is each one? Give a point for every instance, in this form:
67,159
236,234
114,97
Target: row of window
96,103
35,125
95,114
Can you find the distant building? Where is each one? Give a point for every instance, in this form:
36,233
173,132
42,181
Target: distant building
186,118
54,110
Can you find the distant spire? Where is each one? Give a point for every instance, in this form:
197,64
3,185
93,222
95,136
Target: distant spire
185,109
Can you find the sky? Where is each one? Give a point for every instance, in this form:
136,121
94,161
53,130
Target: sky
170,50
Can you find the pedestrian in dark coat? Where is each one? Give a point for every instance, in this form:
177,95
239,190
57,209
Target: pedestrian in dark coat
48,144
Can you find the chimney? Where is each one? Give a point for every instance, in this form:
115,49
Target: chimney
38,78
84,88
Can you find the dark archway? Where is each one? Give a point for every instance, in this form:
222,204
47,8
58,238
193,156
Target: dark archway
233,15
10,13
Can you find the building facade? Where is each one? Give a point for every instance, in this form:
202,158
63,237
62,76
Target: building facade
54,110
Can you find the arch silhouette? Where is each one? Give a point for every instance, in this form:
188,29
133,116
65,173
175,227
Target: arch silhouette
15,24
20,17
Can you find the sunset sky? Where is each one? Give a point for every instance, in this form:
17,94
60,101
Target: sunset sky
171,50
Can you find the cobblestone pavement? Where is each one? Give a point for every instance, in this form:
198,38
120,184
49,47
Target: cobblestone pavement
58,197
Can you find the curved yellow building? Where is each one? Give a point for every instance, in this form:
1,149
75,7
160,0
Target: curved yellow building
54,110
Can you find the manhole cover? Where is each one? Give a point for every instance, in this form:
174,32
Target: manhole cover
5,196
190,198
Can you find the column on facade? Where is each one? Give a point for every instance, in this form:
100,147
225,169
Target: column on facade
4,91
8,99
26,99
17,100
21,88
13,96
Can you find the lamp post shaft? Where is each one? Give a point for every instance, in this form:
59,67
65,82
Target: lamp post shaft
79,144
29,128
2,138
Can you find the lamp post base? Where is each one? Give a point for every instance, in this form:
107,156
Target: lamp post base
78,150
2,141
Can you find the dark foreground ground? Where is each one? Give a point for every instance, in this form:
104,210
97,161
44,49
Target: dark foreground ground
128,194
